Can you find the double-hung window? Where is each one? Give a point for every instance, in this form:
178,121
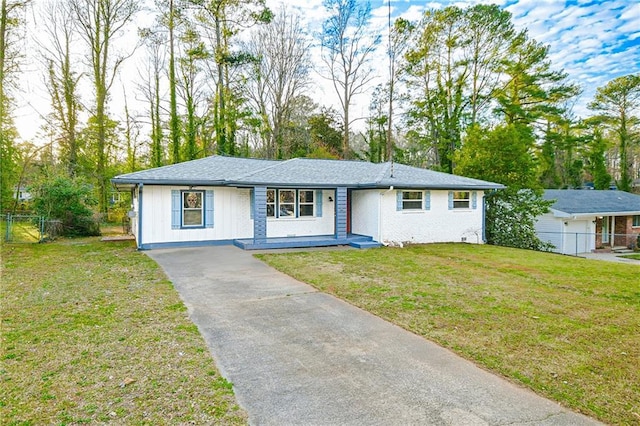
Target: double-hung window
291,203
287,202
461,199
305,202
192,214
271,203
411,200
636,221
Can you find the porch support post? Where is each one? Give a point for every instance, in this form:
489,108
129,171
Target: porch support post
139,221
341,213
613,231
260,214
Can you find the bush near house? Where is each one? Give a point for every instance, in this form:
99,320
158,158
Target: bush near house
69,201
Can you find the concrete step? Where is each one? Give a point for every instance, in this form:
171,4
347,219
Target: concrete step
622,250
364,244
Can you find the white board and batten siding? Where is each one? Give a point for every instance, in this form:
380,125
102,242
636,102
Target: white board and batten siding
231,216
435,222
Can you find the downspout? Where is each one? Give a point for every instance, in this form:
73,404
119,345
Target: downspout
484,220
139,239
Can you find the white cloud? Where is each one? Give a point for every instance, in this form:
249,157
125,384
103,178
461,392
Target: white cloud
593,41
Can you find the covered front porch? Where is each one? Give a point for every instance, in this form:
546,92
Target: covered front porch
617,231
353,240
266,206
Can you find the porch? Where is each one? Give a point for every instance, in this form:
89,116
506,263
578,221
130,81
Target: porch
353,240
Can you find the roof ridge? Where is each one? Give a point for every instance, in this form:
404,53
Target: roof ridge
253,172
383,172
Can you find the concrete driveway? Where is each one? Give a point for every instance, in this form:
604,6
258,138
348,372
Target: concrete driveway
300,357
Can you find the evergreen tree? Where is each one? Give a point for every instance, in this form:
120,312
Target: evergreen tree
504,155
618,104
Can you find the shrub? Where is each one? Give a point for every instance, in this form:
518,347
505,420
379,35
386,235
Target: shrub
69,201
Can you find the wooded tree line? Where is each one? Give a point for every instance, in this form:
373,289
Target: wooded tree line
465,92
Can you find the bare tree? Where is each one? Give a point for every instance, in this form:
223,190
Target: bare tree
10,24
99,23
398,42
131,137
346,52
280,74
174,119
223,19
150,90
191,90
62,79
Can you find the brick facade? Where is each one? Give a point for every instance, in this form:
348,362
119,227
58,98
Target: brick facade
626,235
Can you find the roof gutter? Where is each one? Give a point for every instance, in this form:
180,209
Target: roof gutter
559,213
128,183
132,182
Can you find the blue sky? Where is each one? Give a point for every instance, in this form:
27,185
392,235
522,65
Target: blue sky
593,41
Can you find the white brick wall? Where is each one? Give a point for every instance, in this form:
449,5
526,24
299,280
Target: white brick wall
438,224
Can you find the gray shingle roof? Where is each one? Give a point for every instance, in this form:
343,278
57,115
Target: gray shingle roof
573,201
299,172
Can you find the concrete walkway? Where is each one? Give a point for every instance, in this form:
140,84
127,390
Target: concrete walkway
609,257
300,357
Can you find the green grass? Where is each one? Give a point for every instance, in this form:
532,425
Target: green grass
21,232
635,256
568,328
94,332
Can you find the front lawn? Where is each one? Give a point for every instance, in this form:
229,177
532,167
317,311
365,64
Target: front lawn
635,256
566,327
94,332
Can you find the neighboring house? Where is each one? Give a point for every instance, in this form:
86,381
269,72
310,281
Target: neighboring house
22,194
582,220
301,203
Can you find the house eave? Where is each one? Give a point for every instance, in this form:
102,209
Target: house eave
126,184
129,183
562,214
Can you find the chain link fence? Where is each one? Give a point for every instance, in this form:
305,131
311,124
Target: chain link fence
575,243
23,228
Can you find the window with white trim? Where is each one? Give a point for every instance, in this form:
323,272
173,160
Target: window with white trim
461,199
636,221
271,203
291,203
287,203
192,214
306,202
412,200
